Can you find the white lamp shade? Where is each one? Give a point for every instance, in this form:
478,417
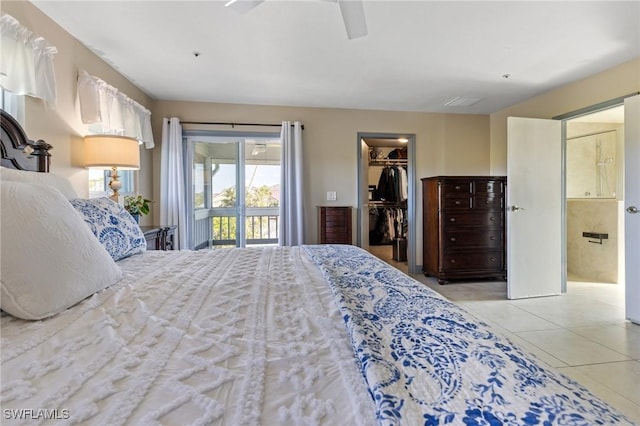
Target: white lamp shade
107,151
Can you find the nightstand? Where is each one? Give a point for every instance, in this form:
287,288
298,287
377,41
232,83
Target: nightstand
159,237
334,225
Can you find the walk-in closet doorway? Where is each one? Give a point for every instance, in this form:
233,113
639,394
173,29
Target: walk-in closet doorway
386,198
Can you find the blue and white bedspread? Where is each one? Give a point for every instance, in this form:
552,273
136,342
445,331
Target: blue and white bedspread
428,362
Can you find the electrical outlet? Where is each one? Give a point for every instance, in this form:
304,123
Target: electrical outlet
332,196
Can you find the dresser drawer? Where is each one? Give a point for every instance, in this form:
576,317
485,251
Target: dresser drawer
479,260
488,202
332,228
464,239
337,212
335,220
457,203
457,188
337,237
488,186
456,218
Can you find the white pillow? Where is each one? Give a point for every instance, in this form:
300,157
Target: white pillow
50,260
114,227
61,183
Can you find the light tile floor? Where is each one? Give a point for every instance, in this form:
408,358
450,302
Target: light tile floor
583,332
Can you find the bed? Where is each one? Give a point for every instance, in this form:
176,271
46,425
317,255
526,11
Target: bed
309,335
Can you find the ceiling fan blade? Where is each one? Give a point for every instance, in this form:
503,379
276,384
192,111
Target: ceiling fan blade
242,6
353,17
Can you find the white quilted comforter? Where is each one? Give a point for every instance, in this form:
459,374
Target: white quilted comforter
247,337
258,337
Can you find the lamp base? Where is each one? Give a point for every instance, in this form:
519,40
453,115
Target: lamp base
115,185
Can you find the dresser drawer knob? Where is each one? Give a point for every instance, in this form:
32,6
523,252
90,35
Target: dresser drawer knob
457,186
492,219
453,238
457,203
492,259
453,219
492,238
452,261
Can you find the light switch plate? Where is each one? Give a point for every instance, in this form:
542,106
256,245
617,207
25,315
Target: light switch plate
332,196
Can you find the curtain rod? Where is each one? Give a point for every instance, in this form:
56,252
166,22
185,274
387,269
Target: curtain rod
234,124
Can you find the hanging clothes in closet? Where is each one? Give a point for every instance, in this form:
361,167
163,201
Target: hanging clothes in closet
388,219
387,224
392,185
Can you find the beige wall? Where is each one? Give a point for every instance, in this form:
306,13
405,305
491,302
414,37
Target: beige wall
588,261
60,125
610,84
445,144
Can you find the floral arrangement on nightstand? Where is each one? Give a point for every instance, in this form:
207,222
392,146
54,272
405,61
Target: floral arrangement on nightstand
136,205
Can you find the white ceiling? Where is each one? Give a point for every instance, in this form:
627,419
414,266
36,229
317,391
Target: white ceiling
417,56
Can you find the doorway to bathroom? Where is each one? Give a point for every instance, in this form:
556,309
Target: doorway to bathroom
627,189
616,175
594,151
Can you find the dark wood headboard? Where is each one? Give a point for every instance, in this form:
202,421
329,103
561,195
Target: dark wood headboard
18,152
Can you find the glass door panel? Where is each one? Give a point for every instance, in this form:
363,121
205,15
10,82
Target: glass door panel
262,174
215,190
235,181
225,202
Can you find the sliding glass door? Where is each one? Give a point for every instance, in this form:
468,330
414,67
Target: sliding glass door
235,190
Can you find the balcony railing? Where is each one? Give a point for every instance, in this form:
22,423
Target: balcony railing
218,227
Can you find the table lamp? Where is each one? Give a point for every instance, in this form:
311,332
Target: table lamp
112,152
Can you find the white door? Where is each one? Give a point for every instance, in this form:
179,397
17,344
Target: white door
632,206
534,208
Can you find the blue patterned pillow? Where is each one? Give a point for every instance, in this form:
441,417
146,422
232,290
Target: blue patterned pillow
113,225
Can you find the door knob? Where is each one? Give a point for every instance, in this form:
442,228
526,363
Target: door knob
632,209
515,208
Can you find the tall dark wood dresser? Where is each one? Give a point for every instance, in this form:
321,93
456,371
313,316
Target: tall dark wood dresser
464,227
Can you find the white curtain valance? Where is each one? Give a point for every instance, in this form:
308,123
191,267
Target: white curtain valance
108,110
26,61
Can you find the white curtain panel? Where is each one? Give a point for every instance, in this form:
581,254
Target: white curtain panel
107,110
173,203
26,61
291,185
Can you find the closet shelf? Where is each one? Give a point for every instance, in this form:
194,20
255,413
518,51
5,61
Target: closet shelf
389,162
387,203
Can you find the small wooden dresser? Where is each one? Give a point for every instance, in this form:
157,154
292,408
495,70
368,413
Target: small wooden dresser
159,237
464,227
334,225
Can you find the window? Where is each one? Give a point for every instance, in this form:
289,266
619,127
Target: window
13,104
